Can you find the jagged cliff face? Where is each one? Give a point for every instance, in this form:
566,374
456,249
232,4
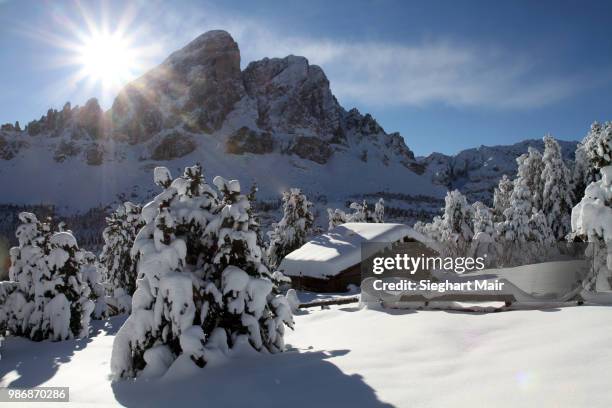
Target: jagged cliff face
274,105
276,123
283,105
195,88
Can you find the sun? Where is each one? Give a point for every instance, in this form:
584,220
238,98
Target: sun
107,58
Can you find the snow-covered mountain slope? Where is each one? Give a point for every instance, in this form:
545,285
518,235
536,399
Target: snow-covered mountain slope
476,171
275,123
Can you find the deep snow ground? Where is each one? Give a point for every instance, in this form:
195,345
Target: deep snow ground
360,358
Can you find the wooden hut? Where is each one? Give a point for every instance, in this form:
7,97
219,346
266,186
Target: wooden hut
332,261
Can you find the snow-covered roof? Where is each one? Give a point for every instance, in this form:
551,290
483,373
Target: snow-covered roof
340,248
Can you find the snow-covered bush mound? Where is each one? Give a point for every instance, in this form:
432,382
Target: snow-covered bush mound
51,298
118,267
202,286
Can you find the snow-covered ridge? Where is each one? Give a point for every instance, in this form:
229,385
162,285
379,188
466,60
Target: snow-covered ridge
476,171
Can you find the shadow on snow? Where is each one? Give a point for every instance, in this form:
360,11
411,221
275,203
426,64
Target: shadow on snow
36,365
291,379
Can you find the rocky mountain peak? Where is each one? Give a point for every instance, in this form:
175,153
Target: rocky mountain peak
276,105
214,54
293,97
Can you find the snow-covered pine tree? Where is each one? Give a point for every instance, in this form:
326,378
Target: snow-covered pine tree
483,242
336,217
7,311
557,192
515,227
501,197
583,172
255,225
532,176
456,229
292,230
596,145
540,232
523,235
51,300
119,269
591,218
27,262
360,212
202,284
67,314
90,270
253,310
379,211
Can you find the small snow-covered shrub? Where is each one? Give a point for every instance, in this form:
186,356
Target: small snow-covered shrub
291,231
202,286
51,300
362,212
336,217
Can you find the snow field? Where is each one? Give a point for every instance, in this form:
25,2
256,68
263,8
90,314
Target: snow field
345,356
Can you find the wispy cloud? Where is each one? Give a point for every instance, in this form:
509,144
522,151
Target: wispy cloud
439,71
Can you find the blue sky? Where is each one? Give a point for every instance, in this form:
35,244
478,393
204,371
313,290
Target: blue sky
447,75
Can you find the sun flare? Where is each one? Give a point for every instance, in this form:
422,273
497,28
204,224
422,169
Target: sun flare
107,58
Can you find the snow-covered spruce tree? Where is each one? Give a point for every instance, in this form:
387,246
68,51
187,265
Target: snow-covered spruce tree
515,228
202,288
456,229
255,225
119,269
540,232
360,212
523,233
7,288
90,270
69,309
291,231
513,232
336,217
27,264
379,211
532,176
583,172
501,197
253,310
51,300
483,242
592,217
557,192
